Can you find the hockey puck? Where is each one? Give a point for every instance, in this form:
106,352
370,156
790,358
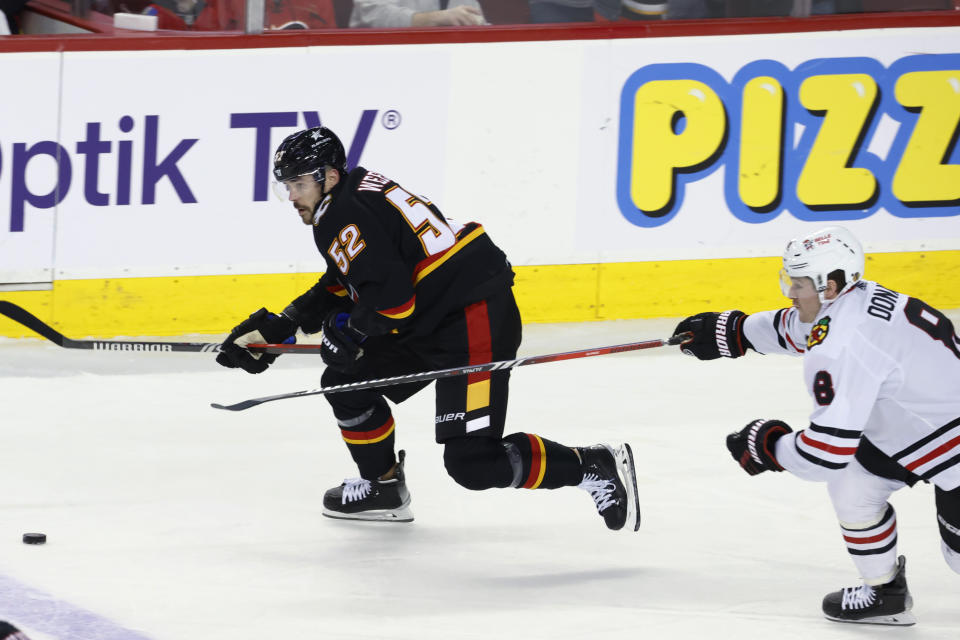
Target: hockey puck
34,538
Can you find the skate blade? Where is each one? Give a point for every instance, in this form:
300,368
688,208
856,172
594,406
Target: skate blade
403,514
624,456
904,619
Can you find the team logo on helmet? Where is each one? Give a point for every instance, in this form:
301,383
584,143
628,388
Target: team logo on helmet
809,244
818,333
278,156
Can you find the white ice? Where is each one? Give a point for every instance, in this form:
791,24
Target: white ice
170,520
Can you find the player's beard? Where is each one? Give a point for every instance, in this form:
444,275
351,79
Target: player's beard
306,216
306,213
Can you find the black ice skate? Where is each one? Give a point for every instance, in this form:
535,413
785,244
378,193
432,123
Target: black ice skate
888,603
359,499
609,476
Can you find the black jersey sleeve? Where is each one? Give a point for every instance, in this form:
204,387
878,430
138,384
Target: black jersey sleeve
310,308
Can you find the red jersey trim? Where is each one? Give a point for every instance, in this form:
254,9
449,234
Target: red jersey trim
401,311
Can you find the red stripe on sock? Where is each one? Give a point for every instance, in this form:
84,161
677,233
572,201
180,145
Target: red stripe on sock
368,435
869,539
537,462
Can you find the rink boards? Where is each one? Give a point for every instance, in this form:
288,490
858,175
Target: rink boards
625,178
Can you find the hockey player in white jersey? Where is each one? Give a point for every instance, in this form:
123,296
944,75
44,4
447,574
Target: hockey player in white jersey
883,370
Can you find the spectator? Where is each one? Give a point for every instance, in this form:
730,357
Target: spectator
545,11
794,8
416,13
505,11
686,9
695,9
9,10
299,14
645,9
227,15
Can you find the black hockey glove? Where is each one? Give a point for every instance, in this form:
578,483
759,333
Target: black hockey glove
261,326
340,348
753,446
715,335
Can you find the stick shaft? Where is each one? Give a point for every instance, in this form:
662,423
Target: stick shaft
35,324
458,371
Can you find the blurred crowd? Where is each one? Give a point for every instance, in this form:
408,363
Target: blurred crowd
228,15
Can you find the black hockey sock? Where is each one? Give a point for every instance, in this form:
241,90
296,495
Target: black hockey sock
370,439
545,464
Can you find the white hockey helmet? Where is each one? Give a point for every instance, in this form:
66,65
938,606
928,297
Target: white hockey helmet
819,254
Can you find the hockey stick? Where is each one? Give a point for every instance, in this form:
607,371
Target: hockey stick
35,324
680,338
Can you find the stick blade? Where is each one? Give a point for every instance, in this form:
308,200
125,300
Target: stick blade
239,406
253,402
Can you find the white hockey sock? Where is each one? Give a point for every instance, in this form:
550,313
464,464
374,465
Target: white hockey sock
873,547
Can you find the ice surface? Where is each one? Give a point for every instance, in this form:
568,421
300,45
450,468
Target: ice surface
170,520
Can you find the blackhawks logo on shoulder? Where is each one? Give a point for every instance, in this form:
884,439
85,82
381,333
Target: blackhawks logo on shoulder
818,333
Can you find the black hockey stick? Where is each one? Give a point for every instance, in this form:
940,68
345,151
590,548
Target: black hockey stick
680,338
35,324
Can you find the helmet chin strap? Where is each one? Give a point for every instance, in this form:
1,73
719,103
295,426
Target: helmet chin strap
325,176
320,176
823,294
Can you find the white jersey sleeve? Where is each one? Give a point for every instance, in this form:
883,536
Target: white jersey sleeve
777,331
884,366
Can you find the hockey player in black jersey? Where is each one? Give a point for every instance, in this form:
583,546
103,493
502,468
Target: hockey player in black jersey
406,290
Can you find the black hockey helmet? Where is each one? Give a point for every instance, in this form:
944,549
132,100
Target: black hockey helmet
307,152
